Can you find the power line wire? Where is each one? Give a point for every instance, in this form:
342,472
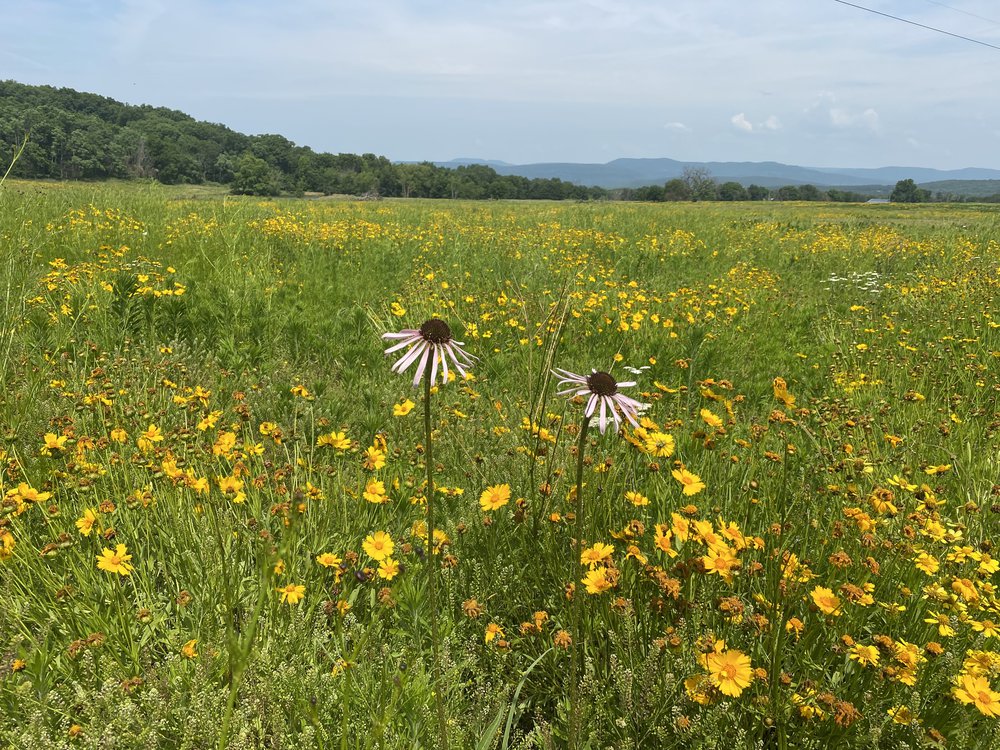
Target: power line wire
921,25
964,12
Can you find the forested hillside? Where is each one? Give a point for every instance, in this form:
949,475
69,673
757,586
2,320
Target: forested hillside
74,135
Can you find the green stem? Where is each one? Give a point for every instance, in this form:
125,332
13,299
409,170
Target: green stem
433,567
244,648
346,696
577,614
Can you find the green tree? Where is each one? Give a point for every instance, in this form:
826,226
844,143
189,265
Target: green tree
700,183
810,193
732,191
676,190
906,191
648,193
254,177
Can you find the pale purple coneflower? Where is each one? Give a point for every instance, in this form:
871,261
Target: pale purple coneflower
430,344
602,390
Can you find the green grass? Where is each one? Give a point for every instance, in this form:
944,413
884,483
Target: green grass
130,306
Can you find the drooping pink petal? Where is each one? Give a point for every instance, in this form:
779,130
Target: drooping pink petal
404,362
428,350
434,364
444,364
404,334
403,344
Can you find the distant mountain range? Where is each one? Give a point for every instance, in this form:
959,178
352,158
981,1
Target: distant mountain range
623,173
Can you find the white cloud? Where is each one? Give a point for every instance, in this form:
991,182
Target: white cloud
741,122
514,73
844,118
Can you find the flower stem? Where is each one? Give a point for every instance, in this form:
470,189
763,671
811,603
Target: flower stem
433,567
577,614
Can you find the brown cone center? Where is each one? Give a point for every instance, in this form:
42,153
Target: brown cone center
436,331
602,384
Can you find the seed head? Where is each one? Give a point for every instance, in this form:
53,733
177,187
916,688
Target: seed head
602,384
436,331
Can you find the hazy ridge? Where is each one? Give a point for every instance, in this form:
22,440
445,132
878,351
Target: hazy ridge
622,173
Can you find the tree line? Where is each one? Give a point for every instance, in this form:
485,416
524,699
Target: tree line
697,184
75,135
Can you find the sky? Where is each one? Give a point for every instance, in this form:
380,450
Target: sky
807,82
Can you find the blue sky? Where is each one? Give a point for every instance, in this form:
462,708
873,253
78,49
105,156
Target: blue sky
809,82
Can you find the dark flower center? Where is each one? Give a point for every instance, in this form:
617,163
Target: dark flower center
602,384
436,331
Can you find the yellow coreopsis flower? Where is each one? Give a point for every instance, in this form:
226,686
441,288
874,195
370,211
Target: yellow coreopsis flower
224,444
976,691
659,444
53,443
597,554
711,419
232,486
374,458
597,580
901,714
378,546
292,593
943,622
492,631
826,600
699,688
7,544
189,649
692,482
87,521
328,560
388,569
150,436
336,440
720,560
116,561
680,526
866,656
636,498
781,393
494,497
375,492
636,554
988,628
662,540
209,421
729,671
927,563
401,410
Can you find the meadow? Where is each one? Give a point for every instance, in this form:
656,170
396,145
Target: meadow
214,520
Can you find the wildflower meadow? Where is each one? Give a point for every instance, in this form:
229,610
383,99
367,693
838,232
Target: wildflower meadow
423,474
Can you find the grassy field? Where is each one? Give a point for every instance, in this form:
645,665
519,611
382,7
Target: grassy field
203,450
